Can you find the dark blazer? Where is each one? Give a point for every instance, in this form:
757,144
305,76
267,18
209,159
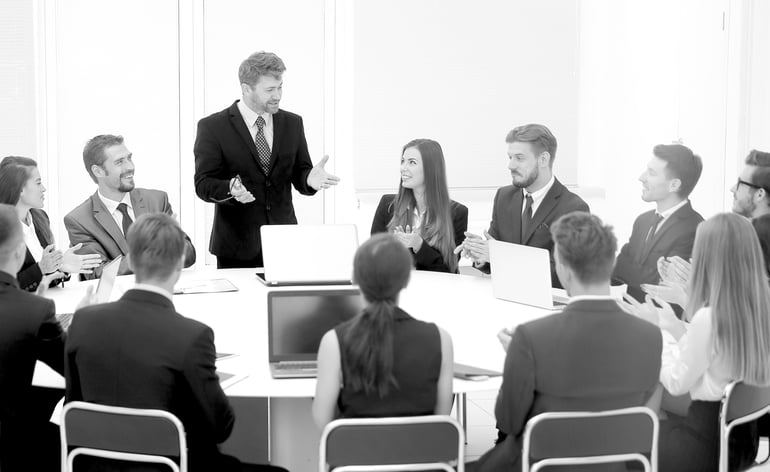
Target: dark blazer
506,218
674,238
592,356
224,149
29,332
139,352
428,257
30,275
92,224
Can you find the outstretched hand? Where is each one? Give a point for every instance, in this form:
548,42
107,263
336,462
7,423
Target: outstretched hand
319,179
79,263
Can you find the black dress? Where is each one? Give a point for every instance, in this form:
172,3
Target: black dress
416,368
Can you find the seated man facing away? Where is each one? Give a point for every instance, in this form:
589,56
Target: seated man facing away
138,352
592,356
101,222
28,332
669,229
523,212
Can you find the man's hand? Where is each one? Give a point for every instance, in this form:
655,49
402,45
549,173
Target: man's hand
88,299
239,192
408,238
504,336
79,263
42,287
475,247
319,179
674,270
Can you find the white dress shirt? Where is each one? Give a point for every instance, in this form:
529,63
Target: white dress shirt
692,364
537,196
112,207
154,289
250,118
30,238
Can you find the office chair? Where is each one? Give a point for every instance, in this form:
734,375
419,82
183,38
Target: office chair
741,404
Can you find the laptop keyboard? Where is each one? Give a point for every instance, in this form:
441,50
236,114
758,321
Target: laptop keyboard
296,365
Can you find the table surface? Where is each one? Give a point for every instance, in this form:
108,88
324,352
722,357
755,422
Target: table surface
461,304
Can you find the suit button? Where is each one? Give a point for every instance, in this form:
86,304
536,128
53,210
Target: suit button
268,184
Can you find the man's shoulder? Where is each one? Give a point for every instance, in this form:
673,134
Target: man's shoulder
289,116
83,210
26,305
568,199
217,116
506,191
149,193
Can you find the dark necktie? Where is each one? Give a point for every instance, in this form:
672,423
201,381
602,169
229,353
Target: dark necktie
123,209
263,149
526,217
651,232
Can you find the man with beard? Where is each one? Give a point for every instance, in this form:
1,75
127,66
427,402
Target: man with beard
101,222
523,212
751,193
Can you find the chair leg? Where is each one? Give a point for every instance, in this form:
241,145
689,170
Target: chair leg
462,412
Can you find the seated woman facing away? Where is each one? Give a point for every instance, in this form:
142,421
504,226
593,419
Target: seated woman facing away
727,339
383,362
421,215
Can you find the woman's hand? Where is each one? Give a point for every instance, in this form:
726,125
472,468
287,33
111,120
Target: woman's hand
51,260
671,292
79,263
408,238
646,311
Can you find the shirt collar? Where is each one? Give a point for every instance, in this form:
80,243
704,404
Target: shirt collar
250,116
112,205
538,195
674,208
154,289
582,298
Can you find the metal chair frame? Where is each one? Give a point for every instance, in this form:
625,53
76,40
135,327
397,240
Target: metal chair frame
726,427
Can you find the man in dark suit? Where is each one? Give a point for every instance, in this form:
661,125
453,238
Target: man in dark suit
29,332
101,222
592,356
667,231
139,352
523,212
751,193
247,157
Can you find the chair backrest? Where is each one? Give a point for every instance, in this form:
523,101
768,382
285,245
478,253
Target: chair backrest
582,438
741,404
392,444
127,434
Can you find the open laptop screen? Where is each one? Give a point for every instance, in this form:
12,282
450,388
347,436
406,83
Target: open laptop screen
297,320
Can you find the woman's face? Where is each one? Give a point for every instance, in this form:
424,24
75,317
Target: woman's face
412,175
33,192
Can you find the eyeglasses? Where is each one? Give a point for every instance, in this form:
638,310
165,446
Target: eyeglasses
749,184
235,182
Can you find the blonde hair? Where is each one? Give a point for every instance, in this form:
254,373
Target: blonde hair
728,275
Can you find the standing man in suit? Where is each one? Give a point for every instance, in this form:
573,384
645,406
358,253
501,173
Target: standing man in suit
101,222
669,229
247,157
29,332
523,212
592,356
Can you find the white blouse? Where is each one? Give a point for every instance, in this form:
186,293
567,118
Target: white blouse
692,364
30,238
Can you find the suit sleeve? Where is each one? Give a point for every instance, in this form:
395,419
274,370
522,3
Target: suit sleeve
210,181
493,231
382,216
517,392
302,165
216,414
30,277
189,249
50,339
72,391
78,234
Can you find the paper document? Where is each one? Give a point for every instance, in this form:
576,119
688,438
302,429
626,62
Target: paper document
205,286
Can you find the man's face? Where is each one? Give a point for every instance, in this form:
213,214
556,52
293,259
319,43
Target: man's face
523,164
33,192
265,95
656,185
118,168
744,195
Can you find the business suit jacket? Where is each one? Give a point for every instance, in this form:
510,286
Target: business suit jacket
30,275
428,257
224,149
591,357
506,218
92,224
675,237
29,332
138,352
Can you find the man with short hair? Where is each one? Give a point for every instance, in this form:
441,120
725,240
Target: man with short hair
669,229
751,194
524,211
28,332
247,158
139,352
590,357
100,223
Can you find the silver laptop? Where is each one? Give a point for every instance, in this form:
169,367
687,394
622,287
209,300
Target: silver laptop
308,254
297,320
103,289
522,274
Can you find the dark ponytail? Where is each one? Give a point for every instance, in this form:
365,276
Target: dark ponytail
381,269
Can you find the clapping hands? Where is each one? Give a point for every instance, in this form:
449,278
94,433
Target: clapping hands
475,247
411,239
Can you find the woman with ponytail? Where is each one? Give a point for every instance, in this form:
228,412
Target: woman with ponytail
383,362
421,215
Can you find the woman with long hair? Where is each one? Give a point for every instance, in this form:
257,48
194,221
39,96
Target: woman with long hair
383,362
21,186
421,214
727,339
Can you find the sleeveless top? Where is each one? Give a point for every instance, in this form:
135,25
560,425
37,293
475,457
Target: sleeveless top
416,368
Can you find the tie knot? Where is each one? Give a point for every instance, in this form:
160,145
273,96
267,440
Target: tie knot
123,208
529,198
260,122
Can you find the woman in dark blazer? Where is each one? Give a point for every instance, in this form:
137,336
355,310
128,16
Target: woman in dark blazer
421,214
21,186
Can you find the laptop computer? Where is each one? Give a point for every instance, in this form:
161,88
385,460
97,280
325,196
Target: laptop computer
103,289
308,254
297,320
522,274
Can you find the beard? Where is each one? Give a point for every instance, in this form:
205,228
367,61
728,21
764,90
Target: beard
526,181
744,208
126,187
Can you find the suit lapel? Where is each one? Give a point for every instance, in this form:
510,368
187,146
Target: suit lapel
549,202
105,220
516,207
138,203
668,224
236,120
278,125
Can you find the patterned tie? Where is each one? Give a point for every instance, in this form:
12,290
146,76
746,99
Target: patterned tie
263,149
526,217
123,209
